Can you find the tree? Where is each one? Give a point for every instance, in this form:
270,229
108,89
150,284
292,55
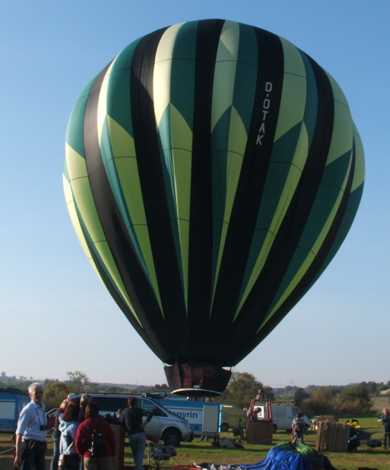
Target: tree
54,393
268,393
300,395
77,381
161,387
241,389
320,402
354,400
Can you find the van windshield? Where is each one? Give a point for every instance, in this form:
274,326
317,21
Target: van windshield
150,405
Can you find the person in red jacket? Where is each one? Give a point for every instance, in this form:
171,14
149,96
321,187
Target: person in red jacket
95,440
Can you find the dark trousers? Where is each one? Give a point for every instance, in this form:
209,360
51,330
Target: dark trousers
56,453
33,455
386,440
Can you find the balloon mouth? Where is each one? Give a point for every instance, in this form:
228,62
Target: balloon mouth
196,375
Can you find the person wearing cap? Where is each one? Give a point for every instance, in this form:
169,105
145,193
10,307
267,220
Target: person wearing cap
56,434
31,435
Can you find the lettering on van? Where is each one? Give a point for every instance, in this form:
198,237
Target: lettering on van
187,414
264,112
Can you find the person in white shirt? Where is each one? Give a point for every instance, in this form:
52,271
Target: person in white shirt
31,432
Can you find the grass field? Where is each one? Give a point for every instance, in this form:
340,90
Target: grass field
201,451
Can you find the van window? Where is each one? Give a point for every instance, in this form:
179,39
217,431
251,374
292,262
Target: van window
110,404
150,407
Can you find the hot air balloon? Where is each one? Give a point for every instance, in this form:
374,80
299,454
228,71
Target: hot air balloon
212,172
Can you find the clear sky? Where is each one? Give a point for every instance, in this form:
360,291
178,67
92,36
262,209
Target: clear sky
55,315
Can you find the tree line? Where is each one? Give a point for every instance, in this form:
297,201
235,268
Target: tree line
353,399
341,401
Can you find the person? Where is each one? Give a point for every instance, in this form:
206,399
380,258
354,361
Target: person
131,420
83,404
260,396
95,440
57,435
298,426
31,432
84,398
68,423
385,419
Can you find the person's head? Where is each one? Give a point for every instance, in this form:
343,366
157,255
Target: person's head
132,402
71,411
84,398
91,410
63,404
35,391
300,414
386,411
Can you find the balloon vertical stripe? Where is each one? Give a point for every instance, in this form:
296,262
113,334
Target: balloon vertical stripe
287,160
157,197
317,264
285,244
253,176
132,274
230,133
200,248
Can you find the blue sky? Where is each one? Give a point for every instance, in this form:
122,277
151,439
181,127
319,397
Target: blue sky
56,316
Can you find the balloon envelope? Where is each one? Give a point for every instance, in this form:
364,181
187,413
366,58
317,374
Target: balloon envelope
212,172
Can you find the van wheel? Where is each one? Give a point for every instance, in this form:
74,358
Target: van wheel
274,428
171,437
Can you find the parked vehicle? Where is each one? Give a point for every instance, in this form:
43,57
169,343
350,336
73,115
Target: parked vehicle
164,425
11,403
205,418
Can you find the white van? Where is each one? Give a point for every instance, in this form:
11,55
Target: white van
164,425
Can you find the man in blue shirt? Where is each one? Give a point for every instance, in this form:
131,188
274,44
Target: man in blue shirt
31,432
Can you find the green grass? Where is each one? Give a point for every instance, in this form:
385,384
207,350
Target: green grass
201,451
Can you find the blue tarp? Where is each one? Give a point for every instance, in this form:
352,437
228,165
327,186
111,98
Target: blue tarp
280,458
292,457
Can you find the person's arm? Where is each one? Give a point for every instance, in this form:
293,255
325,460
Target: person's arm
122,418
110,439
149,415
22,425
80,440
18,451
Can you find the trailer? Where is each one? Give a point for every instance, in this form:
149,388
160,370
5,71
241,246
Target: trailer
11,403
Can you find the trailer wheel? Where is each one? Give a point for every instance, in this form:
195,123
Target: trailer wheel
171,437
